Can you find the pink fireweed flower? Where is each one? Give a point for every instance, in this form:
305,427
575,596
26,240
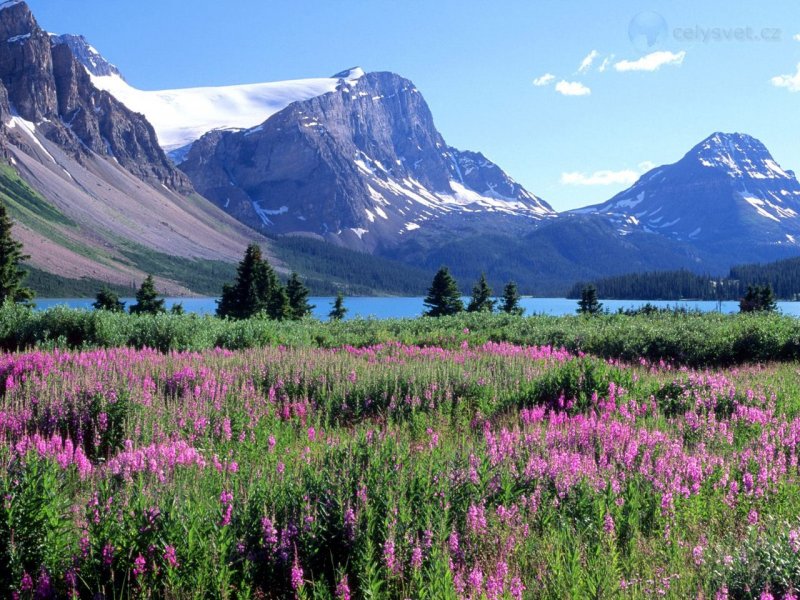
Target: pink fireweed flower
343,589
170,556
608,524
697,555
389,557
139,566
475,579
476,519
269,532
794,540
108,555
752,517
452,543
416,557
297,575
517,588
26,584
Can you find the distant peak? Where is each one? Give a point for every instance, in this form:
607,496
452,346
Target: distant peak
739,155
351,74
10,3
86,54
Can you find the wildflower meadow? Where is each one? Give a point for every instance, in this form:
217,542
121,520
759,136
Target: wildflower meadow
471,469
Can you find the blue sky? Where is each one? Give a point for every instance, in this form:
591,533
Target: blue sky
476,62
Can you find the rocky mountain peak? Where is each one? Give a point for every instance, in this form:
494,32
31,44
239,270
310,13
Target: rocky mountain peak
362,164
87,55
737,155
26,63
54,96
351,74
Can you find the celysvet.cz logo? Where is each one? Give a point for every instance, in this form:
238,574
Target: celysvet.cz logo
648,32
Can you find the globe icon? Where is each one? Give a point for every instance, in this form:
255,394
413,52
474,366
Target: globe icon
647,31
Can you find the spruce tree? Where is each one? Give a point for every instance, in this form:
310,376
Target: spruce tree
256,289
338,310
481,300
588,304
511,299
108,299
147,300
443,296
11,276
298,298
278,303
758,298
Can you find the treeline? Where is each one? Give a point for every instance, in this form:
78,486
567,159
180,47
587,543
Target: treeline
328,268
782,276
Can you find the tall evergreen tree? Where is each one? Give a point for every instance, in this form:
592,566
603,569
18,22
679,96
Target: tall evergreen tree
278,304
338,311
511,299
256,289
298,297
481,300
147,300
108,299
589,304
443,296
758,298
11,276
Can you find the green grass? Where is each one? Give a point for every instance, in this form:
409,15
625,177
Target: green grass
691,339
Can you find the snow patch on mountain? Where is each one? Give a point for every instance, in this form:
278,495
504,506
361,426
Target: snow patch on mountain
181,116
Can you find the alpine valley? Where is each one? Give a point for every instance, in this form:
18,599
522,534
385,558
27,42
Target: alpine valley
343,178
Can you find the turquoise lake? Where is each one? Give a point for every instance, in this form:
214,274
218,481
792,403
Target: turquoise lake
410,307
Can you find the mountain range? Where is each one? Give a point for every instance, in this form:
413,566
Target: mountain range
108,182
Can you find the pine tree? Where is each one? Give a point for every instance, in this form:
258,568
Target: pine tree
255,290
177,309
338,311
443,296
278,307
298,298
758,298
511,299
11,276
481,300
588,304
108,299
147,300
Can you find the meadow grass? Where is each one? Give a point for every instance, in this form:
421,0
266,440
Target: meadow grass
466,469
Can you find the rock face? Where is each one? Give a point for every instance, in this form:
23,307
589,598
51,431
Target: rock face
726,195
50,89
363,165
86,55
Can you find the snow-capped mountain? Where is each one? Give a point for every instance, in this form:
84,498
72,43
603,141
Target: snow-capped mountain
726,192
362,165
181,116
92,192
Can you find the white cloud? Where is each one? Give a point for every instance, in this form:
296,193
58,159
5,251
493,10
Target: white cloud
790,82
796,37
604,65
545,79
572,88
651,62
646,165
605,177
586,63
